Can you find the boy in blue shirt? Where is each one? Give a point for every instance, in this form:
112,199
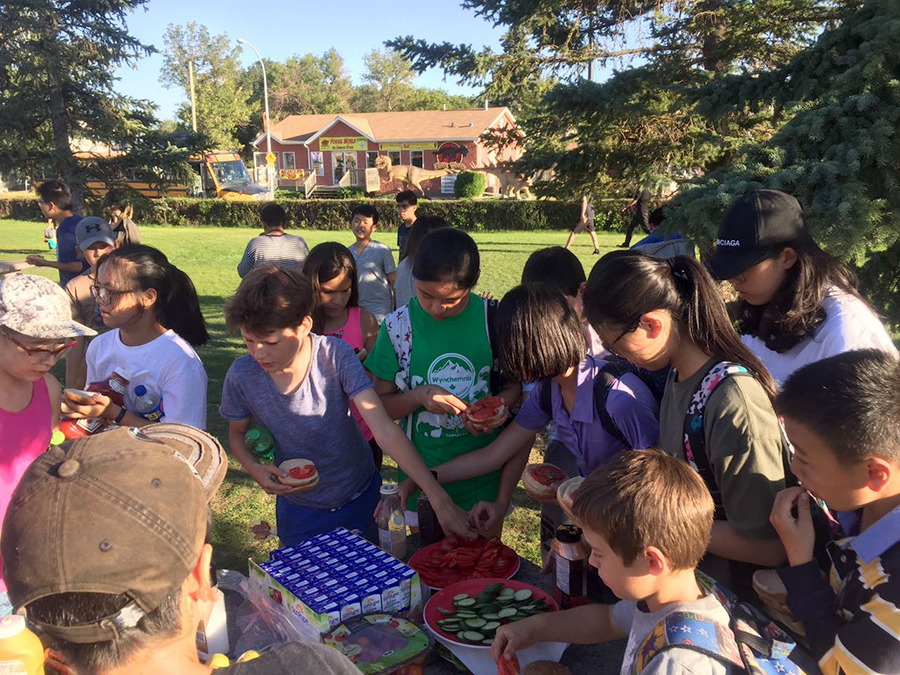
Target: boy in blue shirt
842,415
56,205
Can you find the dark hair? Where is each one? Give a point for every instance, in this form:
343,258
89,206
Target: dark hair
270,298
448,253
539,334
557,266
324,263
57,192
796,309
366,211
274,216
625,285
420,228
177,306
851,401
407,196
645,498
116,199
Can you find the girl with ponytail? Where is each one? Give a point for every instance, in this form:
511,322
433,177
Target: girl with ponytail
154,313
658,313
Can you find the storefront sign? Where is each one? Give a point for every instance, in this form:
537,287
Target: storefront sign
448,183
386,147
373,182
291,174
343,143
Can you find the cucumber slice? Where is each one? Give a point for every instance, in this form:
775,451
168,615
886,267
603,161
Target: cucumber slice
464,602
506,599
507,612
491,616
461,596
490,627
475,623
506,591
471,636
522,595
466,614
488,641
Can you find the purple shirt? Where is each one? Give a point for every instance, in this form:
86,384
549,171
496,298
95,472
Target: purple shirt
630,404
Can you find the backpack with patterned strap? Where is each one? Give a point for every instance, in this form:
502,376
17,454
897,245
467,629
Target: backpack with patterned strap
751,643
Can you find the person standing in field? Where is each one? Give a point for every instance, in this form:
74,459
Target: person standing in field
640,204
273,246
55,202
374,264
120,219
585,224
407,206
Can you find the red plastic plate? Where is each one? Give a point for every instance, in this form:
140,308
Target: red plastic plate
506,572
472,587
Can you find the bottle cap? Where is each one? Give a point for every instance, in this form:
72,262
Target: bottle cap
568,534
140,390
254,434
390,489
11,625
57,438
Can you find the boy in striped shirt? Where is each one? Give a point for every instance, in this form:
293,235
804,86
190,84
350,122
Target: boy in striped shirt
842,415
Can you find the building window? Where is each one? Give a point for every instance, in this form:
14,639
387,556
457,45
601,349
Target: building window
395,157
318,162
370,159
288,160
341,163
417,158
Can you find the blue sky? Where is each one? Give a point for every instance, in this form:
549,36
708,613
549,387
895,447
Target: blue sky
279,28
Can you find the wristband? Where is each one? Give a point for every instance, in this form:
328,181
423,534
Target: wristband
121,415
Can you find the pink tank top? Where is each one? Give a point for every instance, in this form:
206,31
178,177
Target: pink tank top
351,333
23,436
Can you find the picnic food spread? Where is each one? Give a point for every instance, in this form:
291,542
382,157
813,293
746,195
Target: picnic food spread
445,563
541,480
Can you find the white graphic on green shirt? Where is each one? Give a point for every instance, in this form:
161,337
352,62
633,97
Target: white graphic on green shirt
455,373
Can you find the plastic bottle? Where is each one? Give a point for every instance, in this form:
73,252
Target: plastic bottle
212,635
570,559
21,652
261,443
391,522
430,530
148,404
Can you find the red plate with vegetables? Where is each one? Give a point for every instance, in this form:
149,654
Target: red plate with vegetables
470,612
445,563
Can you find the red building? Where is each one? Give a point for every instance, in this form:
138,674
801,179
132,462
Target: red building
330,146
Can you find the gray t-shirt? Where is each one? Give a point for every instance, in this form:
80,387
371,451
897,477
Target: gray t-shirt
638,623
372,267
404,284
283,250
313,421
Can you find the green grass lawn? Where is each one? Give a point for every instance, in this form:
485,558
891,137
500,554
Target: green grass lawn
210,257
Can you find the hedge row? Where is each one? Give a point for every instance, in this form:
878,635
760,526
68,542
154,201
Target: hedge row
333,214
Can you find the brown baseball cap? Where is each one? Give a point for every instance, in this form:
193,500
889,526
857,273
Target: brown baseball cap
122,512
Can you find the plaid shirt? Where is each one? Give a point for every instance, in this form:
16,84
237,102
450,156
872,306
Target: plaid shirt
853,619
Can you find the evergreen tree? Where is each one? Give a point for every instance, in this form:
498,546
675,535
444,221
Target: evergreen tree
56,84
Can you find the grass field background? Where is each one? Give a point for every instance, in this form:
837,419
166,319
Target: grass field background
210,256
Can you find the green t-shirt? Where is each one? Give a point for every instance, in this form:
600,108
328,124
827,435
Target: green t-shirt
455,354
743,443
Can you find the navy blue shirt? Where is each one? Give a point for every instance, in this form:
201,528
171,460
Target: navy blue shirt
65,250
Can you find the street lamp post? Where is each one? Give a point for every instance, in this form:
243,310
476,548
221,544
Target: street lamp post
270,177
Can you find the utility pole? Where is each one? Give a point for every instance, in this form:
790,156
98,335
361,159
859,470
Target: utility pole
193,98
269,169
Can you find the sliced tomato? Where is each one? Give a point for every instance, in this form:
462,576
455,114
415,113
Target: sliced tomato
302,472
485,409
508,666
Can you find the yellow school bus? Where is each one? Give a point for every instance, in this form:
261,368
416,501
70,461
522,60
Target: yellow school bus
222,175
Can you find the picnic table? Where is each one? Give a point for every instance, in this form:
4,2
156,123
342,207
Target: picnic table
604,658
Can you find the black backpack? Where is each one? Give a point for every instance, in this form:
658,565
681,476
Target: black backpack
610,372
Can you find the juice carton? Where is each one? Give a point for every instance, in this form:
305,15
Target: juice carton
350,605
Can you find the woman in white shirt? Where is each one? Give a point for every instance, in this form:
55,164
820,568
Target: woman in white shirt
798,304
154,312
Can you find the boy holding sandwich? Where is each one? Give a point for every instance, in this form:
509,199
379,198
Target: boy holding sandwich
299,385
842,415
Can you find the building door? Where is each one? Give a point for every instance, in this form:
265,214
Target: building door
341,163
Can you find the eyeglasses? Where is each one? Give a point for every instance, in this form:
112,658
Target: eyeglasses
32,352
104,295
611,347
